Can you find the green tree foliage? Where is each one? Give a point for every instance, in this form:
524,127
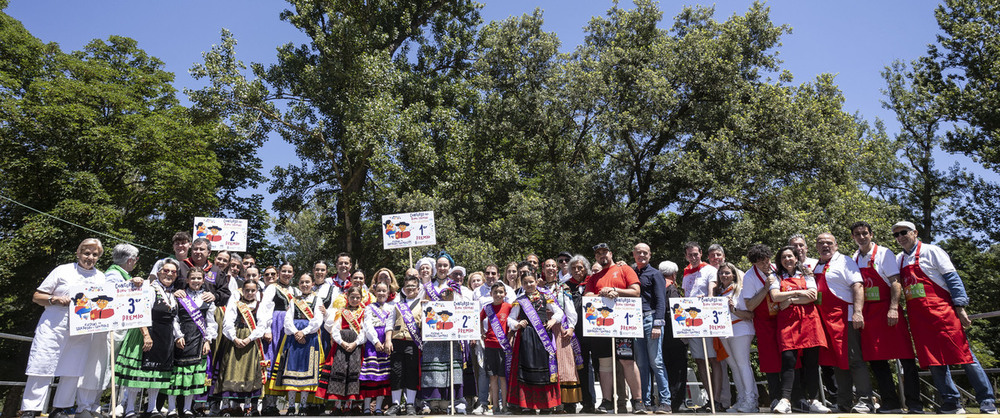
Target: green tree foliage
663,135
963,69
97,138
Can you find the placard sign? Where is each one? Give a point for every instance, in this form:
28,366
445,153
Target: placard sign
110,307
224,234
403,230
700,317
450,321
619,317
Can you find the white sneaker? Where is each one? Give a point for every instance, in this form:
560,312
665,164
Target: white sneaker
479,410
816,406
460,409
959,410
783,407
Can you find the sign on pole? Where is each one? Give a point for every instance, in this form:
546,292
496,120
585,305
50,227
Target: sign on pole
700,317
224,234
404,230
451,321
109,307
617,318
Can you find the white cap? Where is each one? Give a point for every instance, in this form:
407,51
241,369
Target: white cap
909,225
457,268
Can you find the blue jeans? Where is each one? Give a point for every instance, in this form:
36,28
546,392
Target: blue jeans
949,392
649,356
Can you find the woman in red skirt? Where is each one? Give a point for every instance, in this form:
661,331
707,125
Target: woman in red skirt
534,371
799,329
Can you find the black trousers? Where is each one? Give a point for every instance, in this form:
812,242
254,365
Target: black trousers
887,386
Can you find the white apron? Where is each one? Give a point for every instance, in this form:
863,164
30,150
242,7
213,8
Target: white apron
54,352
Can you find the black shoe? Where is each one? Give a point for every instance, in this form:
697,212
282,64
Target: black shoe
410,409
588,409
30,414
606,407
392,411
58,413
638,407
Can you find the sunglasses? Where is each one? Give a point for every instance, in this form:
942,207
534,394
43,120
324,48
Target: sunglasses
900,233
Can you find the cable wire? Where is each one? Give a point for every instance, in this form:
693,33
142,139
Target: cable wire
81,226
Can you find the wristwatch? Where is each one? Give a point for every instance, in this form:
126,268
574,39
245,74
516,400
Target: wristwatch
50,300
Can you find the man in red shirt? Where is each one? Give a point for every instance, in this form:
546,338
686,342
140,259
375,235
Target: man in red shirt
612,282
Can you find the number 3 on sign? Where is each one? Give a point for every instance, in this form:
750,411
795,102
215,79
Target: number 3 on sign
716,315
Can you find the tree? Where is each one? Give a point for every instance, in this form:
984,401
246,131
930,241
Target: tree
964,75
337,99
97,139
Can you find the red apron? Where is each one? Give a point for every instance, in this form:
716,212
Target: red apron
879,341
765,325
834,313
938,337
799,326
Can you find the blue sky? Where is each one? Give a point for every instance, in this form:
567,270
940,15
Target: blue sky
854,40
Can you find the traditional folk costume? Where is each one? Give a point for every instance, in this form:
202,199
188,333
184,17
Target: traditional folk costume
406,344
271,316
53,351
568,352
534,375
241,370
296,367
195,323
375,366
440,357
153,369
340,376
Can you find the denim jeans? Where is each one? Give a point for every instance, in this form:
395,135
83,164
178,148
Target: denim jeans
649,357
949,392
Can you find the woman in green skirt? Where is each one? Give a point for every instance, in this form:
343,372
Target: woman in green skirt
195,328
146,357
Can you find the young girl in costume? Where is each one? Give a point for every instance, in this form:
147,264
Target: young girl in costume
339,378
273,308
240,376
569,353
405,356
534,375
375,365
296,368
195,328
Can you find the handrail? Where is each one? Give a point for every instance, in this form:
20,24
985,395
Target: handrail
15,337
985,315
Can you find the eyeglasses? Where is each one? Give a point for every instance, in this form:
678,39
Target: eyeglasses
563,260
900,233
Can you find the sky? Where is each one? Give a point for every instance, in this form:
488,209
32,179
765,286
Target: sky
853,40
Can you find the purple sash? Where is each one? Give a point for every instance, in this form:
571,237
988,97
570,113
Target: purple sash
431,291
501,336
410,323
382,316
574,342
188,303
536,322
210,276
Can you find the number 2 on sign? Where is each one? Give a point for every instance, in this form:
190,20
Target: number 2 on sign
233,236
465,321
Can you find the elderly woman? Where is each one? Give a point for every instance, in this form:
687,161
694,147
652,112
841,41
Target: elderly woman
53,351
146,357
579,267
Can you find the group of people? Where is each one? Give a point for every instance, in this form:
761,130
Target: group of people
229,338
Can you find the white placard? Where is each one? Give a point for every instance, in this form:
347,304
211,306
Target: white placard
403,230
700,317
110,307
224,234
450,321
619,317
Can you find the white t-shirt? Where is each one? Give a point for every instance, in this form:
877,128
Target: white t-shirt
933,261
885,262
810,283
752,285
841,275
743,327
697,284
810,263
